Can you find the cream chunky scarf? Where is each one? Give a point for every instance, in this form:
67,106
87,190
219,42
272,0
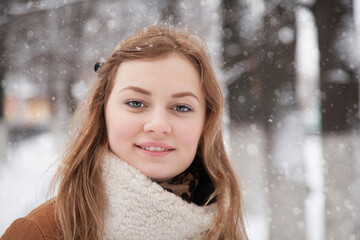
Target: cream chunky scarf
138,208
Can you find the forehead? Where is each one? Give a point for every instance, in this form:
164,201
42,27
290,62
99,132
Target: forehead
170,71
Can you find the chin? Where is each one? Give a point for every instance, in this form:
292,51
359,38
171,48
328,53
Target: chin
158,178
156,172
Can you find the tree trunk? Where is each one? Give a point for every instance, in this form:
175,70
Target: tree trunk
169,12
70,22
262,96
3,128
341,141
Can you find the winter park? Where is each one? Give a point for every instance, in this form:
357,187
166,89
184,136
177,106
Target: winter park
289,76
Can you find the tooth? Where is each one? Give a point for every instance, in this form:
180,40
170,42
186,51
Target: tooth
154,149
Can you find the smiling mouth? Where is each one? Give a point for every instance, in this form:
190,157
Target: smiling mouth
155,149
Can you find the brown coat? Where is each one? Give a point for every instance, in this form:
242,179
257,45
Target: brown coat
38,224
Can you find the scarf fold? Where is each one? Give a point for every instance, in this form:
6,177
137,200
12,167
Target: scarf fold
138,208
193,185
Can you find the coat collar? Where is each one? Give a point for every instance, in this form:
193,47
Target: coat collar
138,208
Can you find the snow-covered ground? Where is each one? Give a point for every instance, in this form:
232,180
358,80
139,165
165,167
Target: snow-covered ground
25,177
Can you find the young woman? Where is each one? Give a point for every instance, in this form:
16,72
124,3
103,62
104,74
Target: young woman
147,158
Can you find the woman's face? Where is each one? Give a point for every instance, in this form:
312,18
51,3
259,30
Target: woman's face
155,115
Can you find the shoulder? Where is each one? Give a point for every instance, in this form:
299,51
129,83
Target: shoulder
38,224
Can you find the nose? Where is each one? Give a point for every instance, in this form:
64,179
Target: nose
157,122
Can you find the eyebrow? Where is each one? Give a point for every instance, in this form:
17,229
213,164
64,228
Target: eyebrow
136,89
185,94
146,92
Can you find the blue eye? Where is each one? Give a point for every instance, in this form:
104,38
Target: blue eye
182,108
135,104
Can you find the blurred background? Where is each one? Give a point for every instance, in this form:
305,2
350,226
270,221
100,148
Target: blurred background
290,76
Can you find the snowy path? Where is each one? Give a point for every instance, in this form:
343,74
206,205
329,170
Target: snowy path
29,168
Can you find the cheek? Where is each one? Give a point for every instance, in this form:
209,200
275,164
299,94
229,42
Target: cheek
121,127
189,134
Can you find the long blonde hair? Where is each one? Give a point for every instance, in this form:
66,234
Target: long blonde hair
79,202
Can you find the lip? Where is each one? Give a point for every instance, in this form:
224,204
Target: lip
154,144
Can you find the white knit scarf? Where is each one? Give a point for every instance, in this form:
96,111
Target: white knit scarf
138,208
